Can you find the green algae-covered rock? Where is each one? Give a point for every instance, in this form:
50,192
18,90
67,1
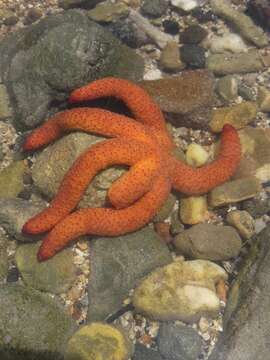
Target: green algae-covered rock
11,180
98,341
55,275
32,325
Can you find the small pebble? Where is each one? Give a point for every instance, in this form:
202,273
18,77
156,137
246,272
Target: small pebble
193,55
171,27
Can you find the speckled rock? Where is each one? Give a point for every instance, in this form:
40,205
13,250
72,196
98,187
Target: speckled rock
194,34
234,191
128,258
170,58
225,64
193,55
99,341
11,180
209,242
238,115
154,8
108,11
227,88
186,5
56,159
193,210
180,291
13,215
255,160
32,323
243,222
55,275
185,99
178,342
247,313
242,23
3,257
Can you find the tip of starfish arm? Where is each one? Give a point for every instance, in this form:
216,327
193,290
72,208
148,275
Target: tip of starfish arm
228,127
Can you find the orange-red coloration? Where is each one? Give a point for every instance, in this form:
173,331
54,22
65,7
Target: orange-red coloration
144,144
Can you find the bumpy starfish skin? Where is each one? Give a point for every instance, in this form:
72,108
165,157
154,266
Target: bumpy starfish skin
143,144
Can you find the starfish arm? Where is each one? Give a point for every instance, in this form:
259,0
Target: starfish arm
93,120
141,176
105,222
143,108
98,157
198,181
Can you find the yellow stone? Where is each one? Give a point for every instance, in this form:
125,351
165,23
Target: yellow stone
193,210
237,115
196,155
99,341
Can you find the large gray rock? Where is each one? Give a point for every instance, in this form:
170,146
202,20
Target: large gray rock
116,266
32,325
247,316
43,62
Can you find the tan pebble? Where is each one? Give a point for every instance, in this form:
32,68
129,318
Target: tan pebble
193,210
196,155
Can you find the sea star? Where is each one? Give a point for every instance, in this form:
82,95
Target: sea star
143,143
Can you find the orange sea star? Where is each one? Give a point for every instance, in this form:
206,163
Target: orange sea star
143,143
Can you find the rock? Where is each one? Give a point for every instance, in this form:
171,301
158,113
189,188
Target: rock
225,63
32,323
170,58
234,191
33,15
256,207
196,155
259,10
247,92
227,88
108,11
56,159
171,26
99,341
11,180
144,353
178,342
228,42
255,160
193,210
154,8
3,257
238,115
55,275
242,23
46,70
13,215
209,242
194,34
5,110
186,5
193,55
70,4
247,312
243,222
185,98
5,15
128,33
264,99
166,209
179,291
176,225
159,37
128,258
